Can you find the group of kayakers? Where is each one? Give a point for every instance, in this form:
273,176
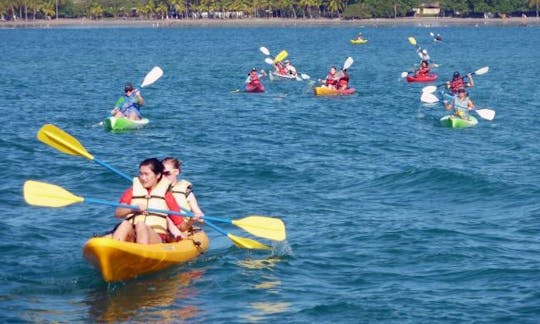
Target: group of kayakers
157,188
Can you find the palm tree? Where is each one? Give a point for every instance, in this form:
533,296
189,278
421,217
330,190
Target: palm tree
534,3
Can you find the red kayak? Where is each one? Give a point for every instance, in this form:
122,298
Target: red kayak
422,78
254,88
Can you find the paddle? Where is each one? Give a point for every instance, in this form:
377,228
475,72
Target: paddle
281,56
47,195
152,76
487,114
412,41
480,71
266,227
264,50
62,141
348,62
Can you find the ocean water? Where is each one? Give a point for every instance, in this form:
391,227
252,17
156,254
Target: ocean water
390,217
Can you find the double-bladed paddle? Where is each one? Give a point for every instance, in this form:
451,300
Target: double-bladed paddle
266,227
48,195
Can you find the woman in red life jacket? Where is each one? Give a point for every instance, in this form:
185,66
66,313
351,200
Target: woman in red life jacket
343,82
423,70
459,82
280,68
253,81
331,80
150,190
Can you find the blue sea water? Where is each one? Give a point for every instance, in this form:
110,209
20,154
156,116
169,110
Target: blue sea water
389,215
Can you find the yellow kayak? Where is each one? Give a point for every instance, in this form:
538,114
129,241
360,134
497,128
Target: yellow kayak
119,261
358,41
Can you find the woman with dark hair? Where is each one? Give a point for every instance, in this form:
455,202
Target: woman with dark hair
150,190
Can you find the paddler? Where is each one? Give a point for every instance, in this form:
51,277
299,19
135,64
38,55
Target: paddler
280,68
181,189
129,105
459,82
461,104
360,37
289,68
423,71
343,80
149,190
254,78
331,80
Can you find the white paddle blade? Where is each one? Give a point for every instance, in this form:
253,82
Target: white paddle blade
487,114
305,76
152,76
431,34
429,98
481,71
348,62
264,50
404,74
269,61
429,89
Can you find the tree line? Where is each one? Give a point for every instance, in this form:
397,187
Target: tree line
237,9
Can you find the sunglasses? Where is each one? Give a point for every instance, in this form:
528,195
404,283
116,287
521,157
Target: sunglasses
168,172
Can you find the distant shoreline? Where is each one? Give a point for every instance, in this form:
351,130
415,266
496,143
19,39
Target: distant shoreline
270,22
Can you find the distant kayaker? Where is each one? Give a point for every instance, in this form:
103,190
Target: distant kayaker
254,78
459,82
289,68
280,68
129,104
181,189
438,38
461,104
343,80
423,71
149,190
331,80
360,37
423,54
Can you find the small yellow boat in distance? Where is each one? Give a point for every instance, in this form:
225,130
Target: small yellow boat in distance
120,261
359,41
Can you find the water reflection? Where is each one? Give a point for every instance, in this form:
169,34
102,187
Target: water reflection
158,298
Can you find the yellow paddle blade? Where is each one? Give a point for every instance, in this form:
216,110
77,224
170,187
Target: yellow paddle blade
47,195
62,141
281,56
412,41
267,227
246,243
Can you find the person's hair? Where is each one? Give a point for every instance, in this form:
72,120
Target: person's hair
128,87
177,164
155,165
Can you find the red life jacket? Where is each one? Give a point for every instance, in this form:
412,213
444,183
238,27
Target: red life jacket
456,84
281,68
423,71
343,82
330,80
254,79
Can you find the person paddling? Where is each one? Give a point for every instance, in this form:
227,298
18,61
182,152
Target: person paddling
149,190
343,80
253,81
331,80
423,71
129,105
181,189
461,104
459,82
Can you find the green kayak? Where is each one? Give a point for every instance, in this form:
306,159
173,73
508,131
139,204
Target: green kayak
122,124
456,122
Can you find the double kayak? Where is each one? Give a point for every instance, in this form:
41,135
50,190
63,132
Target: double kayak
325,91
359,41
254,88
422,78
123,124
119,261
456,122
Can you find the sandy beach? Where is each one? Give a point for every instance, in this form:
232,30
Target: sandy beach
269,22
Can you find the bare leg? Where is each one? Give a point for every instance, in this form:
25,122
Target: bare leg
146,235
124,232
